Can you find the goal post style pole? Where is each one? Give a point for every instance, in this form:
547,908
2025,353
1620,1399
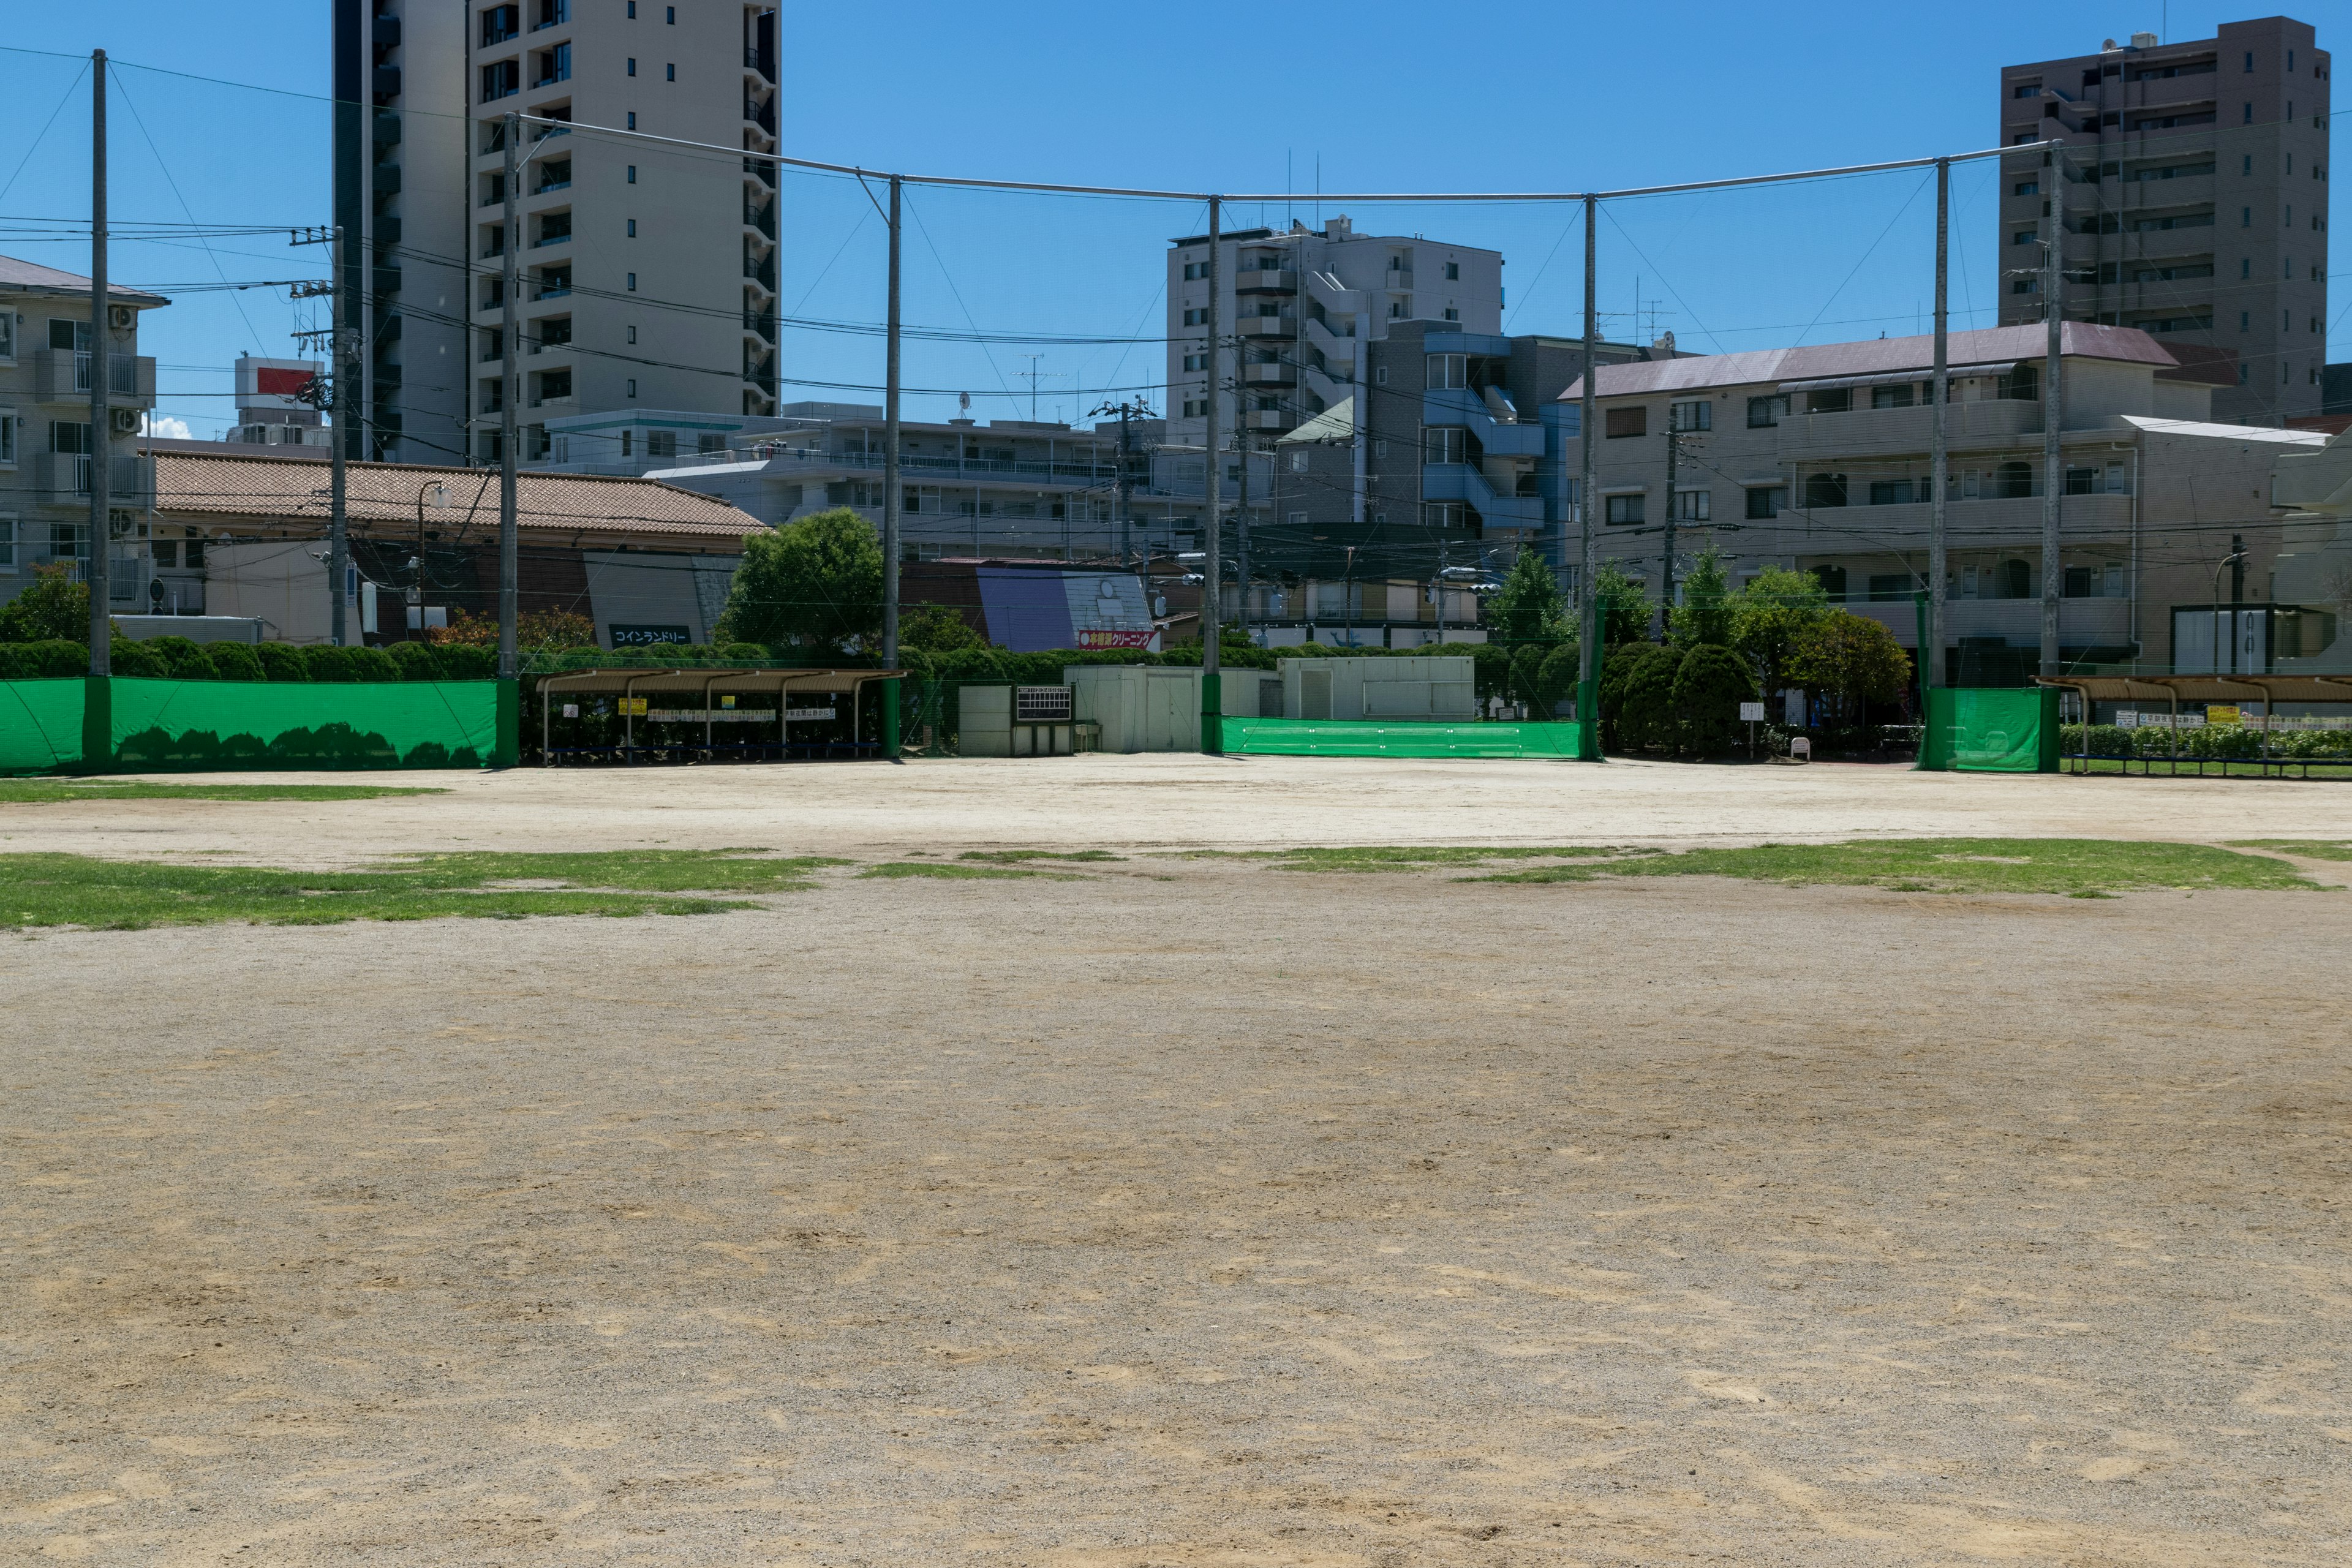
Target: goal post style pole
890,498
1588,687
1212,739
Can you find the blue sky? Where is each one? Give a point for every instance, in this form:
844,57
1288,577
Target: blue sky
1387,97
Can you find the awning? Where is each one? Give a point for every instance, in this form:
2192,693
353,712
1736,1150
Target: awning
651,682
2171,688
1898,378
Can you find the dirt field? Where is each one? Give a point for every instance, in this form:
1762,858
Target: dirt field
1193,1211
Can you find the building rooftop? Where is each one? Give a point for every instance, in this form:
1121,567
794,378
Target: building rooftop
1983,349
192,484
32,277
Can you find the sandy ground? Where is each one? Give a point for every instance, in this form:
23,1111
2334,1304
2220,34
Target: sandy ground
1194,1212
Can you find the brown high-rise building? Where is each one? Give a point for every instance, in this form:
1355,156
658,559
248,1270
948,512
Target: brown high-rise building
2194,197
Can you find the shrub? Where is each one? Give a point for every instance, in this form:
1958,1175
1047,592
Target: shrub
469,662
1709,685
1647,717
233,661
1614,667
414,660
182,659
281,661
966,664
135,660
326,662
936,629
372,664
1558,677
51,658
745,653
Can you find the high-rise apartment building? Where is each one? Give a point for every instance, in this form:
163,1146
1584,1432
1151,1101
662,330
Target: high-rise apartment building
2194,192
649,271
1297,306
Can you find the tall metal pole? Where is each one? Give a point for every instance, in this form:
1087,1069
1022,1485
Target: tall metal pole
1212,472
510,393
1588,695
339,366
1931,652
1666,555
1242,522
890,497
1126,503
2053,408
102,625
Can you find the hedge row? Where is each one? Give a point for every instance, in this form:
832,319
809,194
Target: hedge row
177,658
2206,743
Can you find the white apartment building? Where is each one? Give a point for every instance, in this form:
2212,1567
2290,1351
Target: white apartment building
1816,458
649,271
1296,304
47,360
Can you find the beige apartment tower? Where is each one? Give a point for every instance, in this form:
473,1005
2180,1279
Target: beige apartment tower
648,271
2194,184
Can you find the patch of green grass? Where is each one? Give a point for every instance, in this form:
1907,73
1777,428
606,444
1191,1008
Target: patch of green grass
122,894
1410,858
949,870
2310,849
1014,857
39,792
637,871
2079,867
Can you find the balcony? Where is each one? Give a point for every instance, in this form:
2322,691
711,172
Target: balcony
761,218
1266,281
1461,406
762,322
762,170
1273,420
1282,375
61,375
1267,327
760,61
763,272
761,114
1460,481
1889,432
62,479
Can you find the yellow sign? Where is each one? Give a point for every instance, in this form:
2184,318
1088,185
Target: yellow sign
632,707
2221,713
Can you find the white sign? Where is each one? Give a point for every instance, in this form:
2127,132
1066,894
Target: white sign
1751,713
798,713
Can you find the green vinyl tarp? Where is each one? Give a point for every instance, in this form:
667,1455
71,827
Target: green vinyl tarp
40,724
1350,737
1998,729
155,726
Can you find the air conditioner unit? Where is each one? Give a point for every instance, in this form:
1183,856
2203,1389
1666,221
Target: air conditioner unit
122,317
126,421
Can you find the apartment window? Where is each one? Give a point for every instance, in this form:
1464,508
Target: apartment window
500,23
632,334
1381,377
1444,443
633,66
1697,415
554,228
673,14
555,385
1379,449
1764,412
1766,500
1627,509
1195,270
2024,285
8,334
1453,271
1693,505
7,544
1196,361
633,228
69,436
1451,314
1901,396
2249,114
8,435
633,119
1196,409
1825,490
2025,89
632,282
502,78
1634,421
632,384
1299,462
1446,370
554,65
1890,492
2024,236
552,12
2290,215
1196,317
672,70
2245,266
554,282
2026,188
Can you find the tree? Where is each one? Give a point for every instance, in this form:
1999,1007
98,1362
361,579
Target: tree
816,582
54,606
1770,615
534,630
1628,615
1529,607
1704,614
1646,712
936,629
1710,684
1851,659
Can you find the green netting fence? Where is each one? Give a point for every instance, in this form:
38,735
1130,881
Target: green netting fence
2005,730
158,726
1346,738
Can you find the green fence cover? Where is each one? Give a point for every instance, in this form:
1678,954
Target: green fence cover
2006,730
200,725
1348,738
40,725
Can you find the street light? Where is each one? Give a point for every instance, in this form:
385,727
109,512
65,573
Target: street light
2223,627
440,494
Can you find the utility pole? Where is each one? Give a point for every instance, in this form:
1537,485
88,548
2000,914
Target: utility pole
101,511
1212,475
890,497
1666,559
2054,405
1588,694
510,393
1931,653
339,544
1242,522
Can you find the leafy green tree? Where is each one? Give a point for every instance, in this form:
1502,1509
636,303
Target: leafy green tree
1529,607
1628,613
816,582
1710,683
54,606
1556,681
1851,659
936,629
1646,713
1705,615
1767,617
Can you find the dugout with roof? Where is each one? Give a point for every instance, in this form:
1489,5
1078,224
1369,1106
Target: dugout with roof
687,714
